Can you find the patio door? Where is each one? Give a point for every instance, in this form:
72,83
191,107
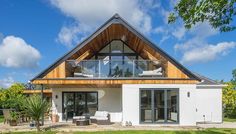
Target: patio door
79,103
159,105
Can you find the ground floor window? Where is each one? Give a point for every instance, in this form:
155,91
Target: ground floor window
159,105
79,103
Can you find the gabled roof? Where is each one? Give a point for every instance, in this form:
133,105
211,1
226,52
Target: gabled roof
116,19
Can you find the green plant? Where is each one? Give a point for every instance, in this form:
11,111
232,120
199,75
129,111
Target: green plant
14,115
12,97
229,100
218,13
35,107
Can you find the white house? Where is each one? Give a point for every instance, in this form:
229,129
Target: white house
120,71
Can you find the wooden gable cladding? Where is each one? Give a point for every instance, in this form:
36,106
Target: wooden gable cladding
173,72
58,72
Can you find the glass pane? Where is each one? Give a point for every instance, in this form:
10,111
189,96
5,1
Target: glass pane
104,66
159,106
92,104
116,66
68,105
127,49
87,68
116,47
105,49
80,104
128,65
172,108
146,106
140,67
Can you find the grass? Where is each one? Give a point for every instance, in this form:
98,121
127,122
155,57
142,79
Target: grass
207,131
1,118
230,119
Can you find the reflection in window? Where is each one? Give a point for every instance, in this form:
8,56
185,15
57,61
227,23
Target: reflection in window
116,66
116,46
127,49
172,109
106,49
128,65
159,106
146,106
79,103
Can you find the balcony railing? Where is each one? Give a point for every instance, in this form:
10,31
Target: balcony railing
115,68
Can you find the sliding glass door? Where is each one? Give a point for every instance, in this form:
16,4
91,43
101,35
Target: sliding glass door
79,103
159,105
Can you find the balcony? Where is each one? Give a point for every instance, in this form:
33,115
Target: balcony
114,69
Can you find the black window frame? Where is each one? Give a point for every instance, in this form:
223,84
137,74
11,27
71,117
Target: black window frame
74,93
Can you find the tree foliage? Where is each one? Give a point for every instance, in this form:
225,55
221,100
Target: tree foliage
229,97
234,76
229,100
12,97
219,13
34,107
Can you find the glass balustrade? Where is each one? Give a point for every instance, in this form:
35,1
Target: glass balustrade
114,68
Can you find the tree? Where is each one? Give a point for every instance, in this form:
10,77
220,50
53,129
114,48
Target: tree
234,76
35,107
229,100
12,97
219,13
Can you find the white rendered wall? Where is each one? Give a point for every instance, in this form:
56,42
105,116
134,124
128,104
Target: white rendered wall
109,99
187,107
209,104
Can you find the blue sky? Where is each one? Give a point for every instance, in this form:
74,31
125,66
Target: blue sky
33,34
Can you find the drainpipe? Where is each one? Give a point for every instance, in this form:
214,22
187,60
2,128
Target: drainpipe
42,100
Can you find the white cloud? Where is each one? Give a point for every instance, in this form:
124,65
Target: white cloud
15,52
89,14
203,30
68,35
196,49
160,30
165,14
207,52
6,82
179,32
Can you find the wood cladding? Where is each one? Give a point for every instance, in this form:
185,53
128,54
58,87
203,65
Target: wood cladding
173,72
45,91
111,82
58,72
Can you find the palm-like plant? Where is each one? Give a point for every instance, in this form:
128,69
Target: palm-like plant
35,107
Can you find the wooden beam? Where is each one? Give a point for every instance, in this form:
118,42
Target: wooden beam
105,82
45,91
83,56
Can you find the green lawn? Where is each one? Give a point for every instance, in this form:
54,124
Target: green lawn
208,131
229,120
1,118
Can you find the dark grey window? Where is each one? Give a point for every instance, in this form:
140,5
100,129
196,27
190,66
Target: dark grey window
159,106
79,103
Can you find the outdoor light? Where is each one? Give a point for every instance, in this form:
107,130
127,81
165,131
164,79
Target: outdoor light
188,94
56,96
